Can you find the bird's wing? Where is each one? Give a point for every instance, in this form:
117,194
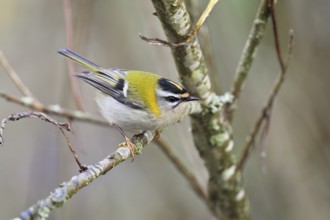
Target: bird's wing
108,81
104,81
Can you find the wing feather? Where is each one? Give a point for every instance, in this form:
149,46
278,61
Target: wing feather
108,81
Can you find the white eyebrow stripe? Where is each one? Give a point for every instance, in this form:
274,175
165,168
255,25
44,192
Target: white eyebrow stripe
163,93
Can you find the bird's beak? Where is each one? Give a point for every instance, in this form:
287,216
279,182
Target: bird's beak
191,98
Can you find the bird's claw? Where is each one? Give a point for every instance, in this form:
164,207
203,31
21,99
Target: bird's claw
128,143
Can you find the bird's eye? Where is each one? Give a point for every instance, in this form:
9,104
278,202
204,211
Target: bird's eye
171,99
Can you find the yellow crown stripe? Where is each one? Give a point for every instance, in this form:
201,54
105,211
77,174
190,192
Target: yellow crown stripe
143,84
176,85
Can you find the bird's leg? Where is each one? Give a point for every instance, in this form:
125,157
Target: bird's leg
130,145
157,133
127,142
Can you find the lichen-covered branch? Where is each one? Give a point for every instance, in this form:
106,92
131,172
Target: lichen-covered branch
204,38
255,36
66,190
211,135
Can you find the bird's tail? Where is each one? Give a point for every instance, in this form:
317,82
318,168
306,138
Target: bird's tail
79,59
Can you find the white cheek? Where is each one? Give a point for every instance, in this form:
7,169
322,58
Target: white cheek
173,115
182,110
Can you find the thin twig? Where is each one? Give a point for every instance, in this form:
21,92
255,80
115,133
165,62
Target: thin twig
75,156
167,150
263,139
32,114
201,20
255,36
69,43
21,115
265,111
15,78
276,37
62,194
54,109
160,42
190,37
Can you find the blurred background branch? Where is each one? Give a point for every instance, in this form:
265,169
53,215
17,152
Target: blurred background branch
67,8
53,109
16,80
265,113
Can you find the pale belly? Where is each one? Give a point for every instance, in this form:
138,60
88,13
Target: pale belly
136,119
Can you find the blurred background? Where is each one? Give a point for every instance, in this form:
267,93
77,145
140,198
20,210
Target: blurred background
291,183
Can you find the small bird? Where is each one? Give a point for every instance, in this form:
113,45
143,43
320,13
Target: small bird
134,100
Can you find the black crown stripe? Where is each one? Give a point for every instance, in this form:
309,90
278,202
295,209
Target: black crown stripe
170,86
